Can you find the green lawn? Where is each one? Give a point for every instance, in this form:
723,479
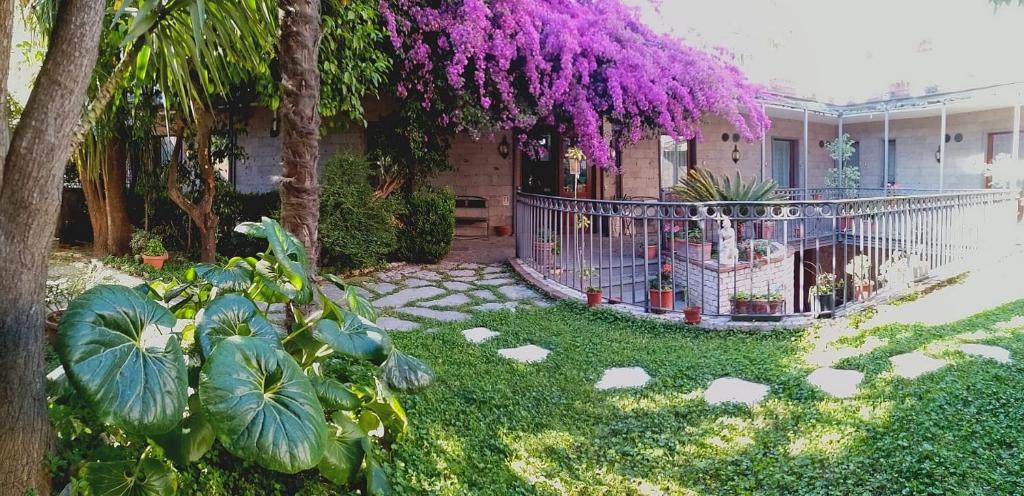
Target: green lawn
492,426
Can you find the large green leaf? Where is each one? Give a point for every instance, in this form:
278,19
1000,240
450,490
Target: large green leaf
376,480
357,303
262,406
390,412
139,388
334,394
280,287
353,337
236,276
191,439
344,453
405,373
232,315
130,478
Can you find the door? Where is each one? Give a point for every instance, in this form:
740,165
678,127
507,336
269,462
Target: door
784,163
575,184
539,172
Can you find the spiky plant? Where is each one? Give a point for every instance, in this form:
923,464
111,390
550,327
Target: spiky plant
702,186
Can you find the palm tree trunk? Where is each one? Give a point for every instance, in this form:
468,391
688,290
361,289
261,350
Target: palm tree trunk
300,122
96,205
30,187
119,226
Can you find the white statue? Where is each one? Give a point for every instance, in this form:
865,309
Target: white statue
727,251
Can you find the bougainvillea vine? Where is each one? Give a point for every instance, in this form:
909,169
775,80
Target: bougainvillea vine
577,64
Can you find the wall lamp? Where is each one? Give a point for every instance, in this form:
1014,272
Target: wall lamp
503,147
735,154
938,154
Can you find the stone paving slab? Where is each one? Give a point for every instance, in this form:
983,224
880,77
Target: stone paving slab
837,383
396,324
416,282
462,273
914,365
442,315
484,294
492,270
623,378
478,335
452,300
734,390
495,306
1001,355
518,292
428,275
525,354
381,287
457,286
494,282
408,295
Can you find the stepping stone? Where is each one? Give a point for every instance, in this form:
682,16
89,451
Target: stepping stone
469,265
518,292
462,273
733,390
484,294
836,382
442,315
493,270
405,296
525,354
381,287
1014,323
996,353
493,307
448,301
428,275
495,282
623,378
394,324
478,335
464,279
456,286
916,364
415,283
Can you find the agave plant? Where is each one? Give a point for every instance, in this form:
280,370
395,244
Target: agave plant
702,186
182,365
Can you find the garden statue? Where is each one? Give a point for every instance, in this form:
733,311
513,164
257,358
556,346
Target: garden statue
727,251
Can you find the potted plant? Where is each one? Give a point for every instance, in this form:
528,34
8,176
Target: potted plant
546,247
696,246
775,301
859,269
759,248
692,314
661,295
593,296
825,290
741,303
759,304
154,254
587,275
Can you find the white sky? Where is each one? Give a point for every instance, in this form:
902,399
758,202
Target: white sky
846,50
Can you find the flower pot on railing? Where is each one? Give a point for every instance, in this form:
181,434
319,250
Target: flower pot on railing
692,314
759,306
661,299
826,304
650,252
740,304
593,297
775,306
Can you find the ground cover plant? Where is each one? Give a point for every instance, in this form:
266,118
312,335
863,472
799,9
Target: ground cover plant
493,426
157,376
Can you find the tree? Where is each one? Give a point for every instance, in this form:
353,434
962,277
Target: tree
515,64
300,120
30,182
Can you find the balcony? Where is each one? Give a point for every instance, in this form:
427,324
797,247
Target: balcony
819,253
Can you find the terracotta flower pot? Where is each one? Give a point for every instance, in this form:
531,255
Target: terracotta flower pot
502,231
775,307
759,307
693,251
692,315
593,299
52,323
652,251
661,300
157,262
741,307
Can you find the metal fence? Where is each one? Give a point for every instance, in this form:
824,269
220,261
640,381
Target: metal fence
813,254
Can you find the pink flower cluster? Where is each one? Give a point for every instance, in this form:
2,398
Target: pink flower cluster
577,64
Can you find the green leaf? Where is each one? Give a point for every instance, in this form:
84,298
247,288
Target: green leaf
262,406
138,388
191,439
405,373
343,455
142,62
235,277
353,337
334,394
251,229
130,478
390,412
376,480
232,315
144,20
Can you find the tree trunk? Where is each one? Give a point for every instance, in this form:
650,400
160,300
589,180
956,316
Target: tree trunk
300,122
200,212
119,226
96,205
30,188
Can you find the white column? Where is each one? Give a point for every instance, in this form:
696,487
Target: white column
806,169
838,137
942,150
764,162
1016,132
885,150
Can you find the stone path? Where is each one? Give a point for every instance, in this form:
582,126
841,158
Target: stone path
836,382
733,390
623,378
445,292
525,354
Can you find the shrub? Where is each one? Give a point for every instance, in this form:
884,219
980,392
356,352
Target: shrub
357,230
154,248
140,240
428,226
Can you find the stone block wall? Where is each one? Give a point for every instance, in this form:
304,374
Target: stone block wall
477,169
713,285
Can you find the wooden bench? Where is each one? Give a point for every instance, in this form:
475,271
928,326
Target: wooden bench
470,210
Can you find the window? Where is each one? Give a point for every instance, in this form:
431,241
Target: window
891,179
784,163
677,156
1000,146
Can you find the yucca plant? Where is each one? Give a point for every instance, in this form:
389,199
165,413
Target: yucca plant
702,186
